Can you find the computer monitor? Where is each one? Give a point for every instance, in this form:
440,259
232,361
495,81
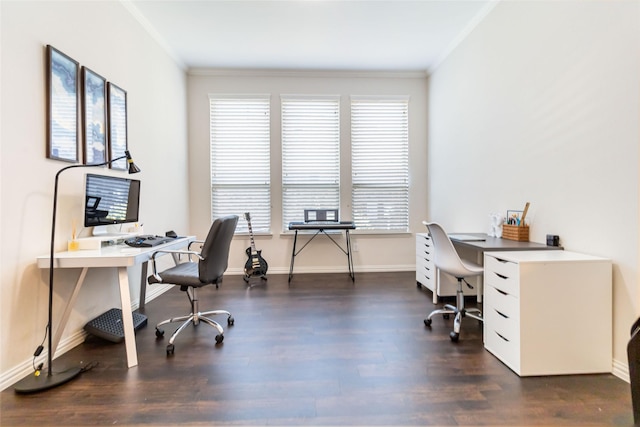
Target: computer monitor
110,200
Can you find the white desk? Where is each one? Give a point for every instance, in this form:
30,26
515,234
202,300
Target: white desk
120,257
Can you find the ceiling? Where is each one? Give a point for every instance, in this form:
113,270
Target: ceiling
356,35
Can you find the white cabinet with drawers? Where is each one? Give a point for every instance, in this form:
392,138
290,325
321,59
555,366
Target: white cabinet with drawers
548,312
426,272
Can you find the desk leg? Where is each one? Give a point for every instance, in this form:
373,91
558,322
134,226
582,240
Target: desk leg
350,256
143,284
480,282
127,317
293,255
67,312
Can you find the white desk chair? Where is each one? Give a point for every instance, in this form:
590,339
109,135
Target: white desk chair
447,260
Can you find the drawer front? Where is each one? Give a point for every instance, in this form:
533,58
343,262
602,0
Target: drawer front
498,266
502,275
502,317
424,247
505,303
425,272
504,349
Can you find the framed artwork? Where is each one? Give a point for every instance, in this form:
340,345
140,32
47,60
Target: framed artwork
117,125
513,217
94,117
62,106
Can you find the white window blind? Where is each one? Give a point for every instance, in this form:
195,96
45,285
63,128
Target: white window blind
310,155
240,162
380,163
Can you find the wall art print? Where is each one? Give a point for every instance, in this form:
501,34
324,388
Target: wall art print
94,117
117,125
62,106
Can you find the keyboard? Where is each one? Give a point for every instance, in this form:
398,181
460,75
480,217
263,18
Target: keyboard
147,241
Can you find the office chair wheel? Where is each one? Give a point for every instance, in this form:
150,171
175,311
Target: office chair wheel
170,349
454,336
230,320
219,338
427,322
159,333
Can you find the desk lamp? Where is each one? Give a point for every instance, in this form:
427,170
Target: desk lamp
34,383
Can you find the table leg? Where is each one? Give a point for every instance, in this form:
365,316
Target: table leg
67,311
127,317
480,282
350,256
293,255
143,284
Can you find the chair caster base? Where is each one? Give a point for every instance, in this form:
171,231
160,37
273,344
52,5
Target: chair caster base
219,338
170,349
454,336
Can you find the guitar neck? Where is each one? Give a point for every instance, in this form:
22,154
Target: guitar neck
253,243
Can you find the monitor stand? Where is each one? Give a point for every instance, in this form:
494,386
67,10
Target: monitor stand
109,231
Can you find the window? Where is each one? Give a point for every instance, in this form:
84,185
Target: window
240,144
310,155
380,163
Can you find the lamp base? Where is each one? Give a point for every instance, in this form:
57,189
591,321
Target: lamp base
34,384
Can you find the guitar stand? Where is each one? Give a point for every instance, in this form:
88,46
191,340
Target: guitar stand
263,280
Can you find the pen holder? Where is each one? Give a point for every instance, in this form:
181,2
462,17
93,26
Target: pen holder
515,232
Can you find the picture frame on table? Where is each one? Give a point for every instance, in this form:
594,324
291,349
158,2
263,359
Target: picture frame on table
62,106
117,117
94,117
513,217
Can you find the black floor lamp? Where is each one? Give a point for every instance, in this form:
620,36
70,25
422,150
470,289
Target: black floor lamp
34,383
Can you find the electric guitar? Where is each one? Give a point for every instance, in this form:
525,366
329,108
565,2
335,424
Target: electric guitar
255,265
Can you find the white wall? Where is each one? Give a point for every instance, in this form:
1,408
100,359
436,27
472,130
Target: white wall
540,104
375,252
106,38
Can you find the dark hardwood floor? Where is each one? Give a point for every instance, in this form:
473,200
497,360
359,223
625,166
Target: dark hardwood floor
321,352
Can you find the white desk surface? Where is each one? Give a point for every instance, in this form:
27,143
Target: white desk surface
109,256
544,256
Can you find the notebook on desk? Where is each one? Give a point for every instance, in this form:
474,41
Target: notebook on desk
467,238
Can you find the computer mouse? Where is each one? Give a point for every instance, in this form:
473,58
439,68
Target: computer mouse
171,233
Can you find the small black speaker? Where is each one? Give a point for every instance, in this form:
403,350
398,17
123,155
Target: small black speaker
553,240
108,325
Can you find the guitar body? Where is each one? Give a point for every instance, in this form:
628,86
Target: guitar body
255,265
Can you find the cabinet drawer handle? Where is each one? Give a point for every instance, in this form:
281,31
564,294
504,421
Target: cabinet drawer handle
505,339
500,276
501,314
501,292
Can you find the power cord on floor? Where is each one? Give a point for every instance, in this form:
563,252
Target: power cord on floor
37,353
89,366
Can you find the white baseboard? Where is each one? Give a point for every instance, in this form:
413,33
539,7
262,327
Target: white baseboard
621,370
359,269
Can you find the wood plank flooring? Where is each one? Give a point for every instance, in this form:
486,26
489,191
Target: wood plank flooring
323,351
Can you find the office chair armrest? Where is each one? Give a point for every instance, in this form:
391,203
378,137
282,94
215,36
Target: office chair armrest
194,241
154,269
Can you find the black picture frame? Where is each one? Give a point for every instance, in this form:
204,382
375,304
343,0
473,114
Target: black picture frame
94,117
117,107
62,106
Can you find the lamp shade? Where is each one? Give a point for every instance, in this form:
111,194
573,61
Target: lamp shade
132,166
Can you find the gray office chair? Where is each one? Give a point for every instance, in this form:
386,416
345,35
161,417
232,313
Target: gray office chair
203,268
446,259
